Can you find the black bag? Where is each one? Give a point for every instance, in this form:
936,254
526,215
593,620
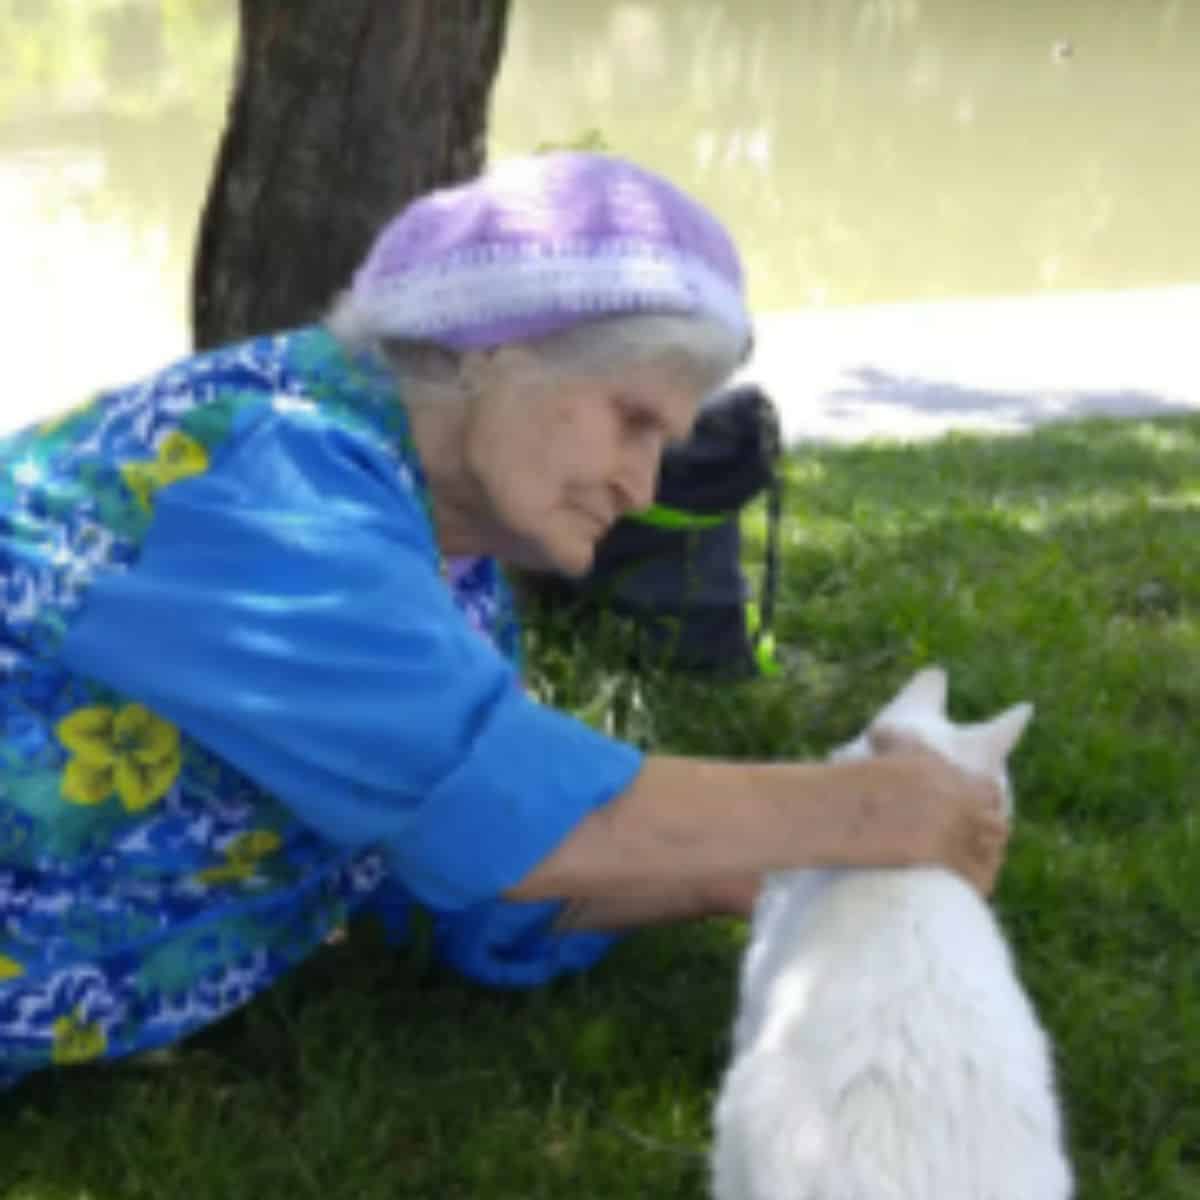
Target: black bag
675,570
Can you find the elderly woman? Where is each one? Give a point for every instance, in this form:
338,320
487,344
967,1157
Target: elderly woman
259,666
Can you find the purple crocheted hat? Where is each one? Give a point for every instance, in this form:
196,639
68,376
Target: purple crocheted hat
539,244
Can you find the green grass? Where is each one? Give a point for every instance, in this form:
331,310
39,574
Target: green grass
1061,568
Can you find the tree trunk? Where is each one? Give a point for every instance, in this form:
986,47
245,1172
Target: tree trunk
341,113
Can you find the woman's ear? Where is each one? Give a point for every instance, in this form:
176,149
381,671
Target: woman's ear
519,361
496,372
473,373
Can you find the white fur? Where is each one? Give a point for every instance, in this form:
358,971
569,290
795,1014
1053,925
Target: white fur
884,1048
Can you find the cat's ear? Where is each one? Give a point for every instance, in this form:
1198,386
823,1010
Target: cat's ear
925,691
991,742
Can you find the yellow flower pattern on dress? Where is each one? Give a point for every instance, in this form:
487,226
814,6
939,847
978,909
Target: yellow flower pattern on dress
110,945
77,1041
242,857
127,750
179,456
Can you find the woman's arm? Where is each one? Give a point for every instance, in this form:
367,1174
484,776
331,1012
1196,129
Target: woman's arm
688,832
662,903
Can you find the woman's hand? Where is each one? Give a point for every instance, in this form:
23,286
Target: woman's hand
919,808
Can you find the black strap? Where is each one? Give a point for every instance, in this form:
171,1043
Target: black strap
763,637
770,582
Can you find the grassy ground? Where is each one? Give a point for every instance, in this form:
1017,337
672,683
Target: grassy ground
1061,568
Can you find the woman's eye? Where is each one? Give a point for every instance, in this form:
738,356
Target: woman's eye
639,420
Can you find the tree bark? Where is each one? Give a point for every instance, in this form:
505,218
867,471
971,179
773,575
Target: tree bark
340,114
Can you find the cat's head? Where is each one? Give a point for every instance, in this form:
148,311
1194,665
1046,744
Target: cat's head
917,714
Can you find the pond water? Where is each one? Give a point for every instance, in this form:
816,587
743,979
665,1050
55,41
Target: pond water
863,151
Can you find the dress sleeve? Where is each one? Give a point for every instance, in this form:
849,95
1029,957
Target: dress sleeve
287,613
506,944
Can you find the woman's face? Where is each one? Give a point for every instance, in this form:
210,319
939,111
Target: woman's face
558,458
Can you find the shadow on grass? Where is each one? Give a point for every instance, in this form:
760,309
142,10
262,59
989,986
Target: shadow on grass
372,1073
1054,463
1060,568
1022,409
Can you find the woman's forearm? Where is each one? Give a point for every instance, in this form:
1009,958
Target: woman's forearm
687,827
691,823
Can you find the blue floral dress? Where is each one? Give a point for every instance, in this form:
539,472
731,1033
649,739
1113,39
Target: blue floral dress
243,695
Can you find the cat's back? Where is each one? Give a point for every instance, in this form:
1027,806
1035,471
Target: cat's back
913,953
883,1027
919,928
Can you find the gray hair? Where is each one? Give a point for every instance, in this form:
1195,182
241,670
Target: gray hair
703,350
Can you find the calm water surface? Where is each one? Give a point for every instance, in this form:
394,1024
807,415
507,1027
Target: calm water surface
862,150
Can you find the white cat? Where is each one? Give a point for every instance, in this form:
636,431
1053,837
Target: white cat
884,1048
